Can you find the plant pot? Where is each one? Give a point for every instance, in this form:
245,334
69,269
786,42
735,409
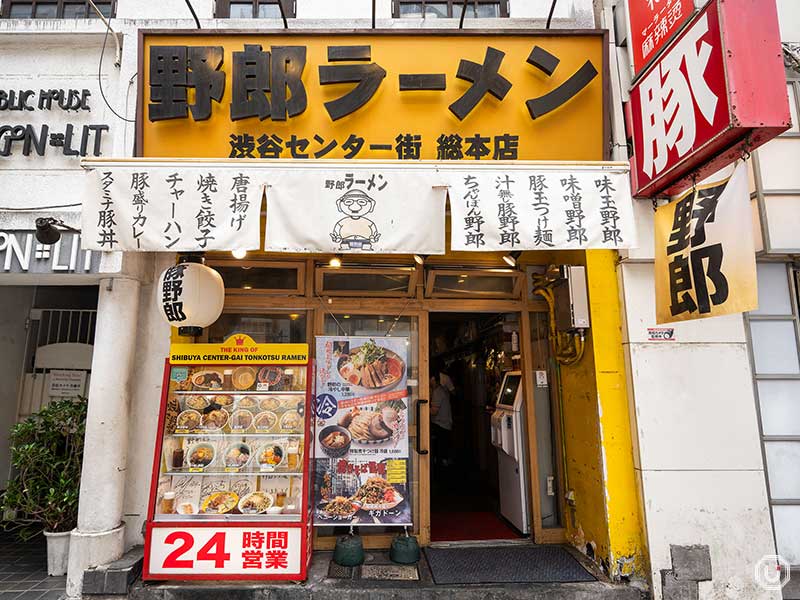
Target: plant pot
57,552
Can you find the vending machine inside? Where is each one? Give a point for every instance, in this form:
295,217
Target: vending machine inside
509,435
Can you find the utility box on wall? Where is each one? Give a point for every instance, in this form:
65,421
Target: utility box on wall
572,299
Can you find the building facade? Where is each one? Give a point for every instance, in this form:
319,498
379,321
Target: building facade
660,448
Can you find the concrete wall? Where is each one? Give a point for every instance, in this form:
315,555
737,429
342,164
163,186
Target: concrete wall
15,305
699,457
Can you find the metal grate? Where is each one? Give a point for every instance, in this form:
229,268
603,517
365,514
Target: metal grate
50,333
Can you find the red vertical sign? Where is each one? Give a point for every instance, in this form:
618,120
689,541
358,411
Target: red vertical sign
652,24
717,89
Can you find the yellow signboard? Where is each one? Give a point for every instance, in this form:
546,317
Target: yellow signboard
239,349
396,96
705,263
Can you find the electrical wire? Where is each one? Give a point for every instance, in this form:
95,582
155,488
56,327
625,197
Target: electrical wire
194,14
550,16
100,79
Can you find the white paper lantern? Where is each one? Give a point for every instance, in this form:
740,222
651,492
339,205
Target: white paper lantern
190,297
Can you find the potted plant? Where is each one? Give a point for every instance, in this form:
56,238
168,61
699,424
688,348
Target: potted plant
46,455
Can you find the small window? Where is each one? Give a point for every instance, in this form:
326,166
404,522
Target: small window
483,283
266,328
256,277
54,9
255,9
366,281
439,9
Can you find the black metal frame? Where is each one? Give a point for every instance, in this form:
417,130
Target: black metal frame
223,8
450,3
5,7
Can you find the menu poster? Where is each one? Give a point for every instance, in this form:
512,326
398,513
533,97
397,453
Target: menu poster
361,416
362,493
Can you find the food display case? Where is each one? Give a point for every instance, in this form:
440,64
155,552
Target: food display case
229,497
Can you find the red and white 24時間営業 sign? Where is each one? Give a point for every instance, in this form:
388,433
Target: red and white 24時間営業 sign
227,552
717,89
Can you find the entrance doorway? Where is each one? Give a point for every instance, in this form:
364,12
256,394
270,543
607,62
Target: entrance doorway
470,355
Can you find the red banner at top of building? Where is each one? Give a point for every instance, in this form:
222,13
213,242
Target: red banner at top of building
717,90
652,24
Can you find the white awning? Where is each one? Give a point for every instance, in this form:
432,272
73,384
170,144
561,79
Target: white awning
377,207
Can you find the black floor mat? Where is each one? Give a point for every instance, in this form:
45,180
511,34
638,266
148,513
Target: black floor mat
528,564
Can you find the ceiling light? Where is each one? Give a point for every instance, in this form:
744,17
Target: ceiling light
247,286
511,258
335,262
294,316
239,253
419,258
346,316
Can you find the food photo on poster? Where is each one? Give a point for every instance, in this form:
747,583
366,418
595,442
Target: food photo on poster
362,492
361,431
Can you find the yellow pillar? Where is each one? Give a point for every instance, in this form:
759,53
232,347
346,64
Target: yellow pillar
626,553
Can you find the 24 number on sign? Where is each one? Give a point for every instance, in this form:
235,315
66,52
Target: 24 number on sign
229,552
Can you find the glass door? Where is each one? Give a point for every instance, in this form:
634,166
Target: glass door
409,325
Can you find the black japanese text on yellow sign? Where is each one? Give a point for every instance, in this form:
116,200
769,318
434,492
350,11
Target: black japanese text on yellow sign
237,350
440,96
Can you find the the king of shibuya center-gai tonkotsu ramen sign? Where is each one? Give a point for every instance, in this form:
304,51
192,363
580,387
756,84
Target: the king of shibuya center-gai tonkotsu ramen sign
361,432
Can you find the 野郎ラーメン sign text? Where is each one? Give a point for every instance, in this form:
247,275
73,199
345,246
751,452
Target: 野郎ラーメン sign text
705,256
308,96
380,211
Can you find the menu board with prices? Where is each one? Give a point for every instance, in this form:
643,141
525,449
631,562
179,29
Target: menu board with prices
361,418
232,453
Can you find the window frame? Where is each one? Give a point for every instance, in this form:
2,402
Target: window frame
5,8
222,9
518,278
793,277
299,267
321,271
450,3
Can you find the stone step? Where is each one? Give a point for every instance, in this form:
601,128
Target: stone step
320,586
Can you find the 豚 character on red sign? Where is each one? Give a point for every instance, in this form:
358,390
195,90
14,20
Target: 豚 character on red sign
668,99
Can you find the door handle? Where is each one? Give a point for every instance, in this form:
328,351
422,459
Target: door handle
420,402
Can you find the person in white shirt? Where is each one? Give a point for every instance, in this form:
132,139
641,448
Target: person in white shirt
441,421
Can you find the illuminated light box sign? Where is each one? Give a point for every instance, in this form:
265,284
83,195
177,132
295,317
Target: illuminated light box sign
717,90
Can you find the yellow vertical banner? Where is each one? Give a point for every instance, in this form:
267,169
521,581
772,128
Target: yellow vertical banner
705,262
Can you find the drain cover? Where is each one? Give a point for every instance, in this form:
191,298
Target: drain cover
390,572
339,572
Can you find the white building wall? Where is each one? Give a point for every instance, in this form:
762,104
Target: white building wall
698,455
